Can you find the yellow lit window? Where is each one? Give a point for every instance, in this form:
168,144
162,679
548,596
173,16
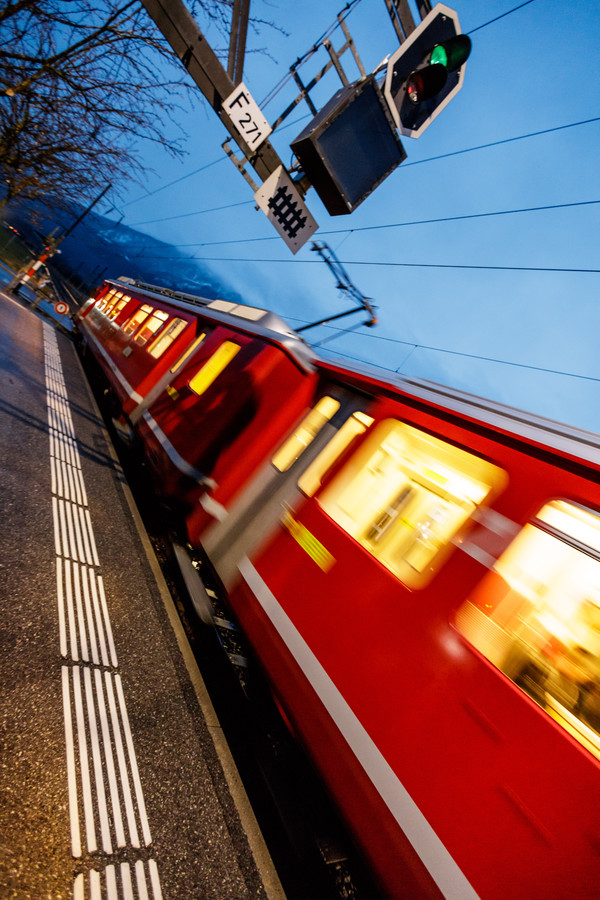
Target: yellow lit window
102,305
111,303
306,432
311,480
536,616
137,318
166,337
150,326
405,494
182,359
119,305
213,367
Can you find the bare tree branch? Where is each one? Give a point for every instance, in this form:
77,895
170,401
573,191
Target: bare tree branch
82,82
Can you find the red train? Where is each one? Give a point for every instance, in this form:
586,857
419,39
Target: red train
418,571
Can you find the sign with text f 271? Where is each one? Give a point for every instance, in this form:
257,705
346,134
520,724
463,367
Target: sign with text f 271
284,207
245,114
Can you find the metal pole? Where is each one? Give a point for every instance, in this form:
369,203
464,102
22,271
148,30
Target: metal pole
237,41
83,214
192,48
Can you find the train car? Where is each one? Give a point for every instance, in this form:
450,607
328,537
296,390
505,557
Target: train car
209,387
136,334
419,572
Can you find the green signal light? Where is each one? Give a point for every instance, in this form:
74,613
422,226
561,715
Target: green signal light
439,55
452,53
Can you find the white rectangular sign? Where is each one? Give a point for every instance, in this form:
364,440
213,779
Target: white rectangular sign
284,207
245,114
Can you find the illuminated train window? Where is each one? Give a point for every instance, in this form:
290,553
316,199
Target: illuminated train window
213,367
536,616
137,318
150,326
106,300
116,309
112,298
166,337
405,494
305,433
310,482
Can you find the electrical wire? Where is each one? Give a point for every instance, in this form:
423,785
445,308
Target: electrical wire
416,162
416,346
187,215
390,263
501,16
491,359
520,137
176,181
342,331
412,222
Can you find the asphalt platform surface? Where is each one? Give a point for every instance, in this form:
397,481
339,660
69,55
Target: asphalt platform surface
115,779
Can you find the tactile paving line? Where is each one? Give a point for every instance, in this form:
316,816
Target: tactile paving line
106,802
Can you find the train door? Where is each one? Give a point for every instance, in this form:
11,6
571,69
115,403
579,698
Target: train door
325,431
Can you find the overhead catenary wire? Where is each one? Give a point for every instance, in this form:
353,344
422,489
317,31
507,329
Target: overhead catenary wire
392,263
385,225
489,359
176,181
520,137
501,16
342,332
187,215
416,162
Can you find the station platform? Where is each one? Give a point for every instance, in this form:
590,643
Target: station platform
115,779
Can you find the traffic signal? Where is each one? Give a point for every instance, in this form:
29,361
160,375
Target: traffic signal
426,71
350,146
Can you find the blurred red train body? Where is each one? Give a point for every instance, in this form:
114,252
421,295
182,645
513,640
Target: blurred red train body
418,571
210,387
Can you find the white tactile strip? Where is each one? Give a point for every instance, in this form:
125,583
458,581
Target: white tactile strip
106,802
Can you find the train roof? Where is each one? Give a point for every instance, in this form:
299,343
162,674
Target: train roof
546,433
251,319
567,440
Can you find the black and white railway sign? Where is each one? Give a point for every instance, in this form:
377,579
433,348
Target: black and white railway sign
284,206
245,114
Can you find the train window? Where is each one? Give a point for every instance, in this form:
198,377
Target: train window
185,356
305,433
166,337
150,326
310,481
405,494
137,318
105,301
536,616
111,300
213,367
119,305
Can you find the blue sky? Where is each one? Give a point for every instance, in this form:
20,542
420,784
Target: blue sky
456,300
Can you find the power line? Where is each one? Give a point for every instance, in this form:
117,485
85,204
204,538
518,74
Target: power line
416,162
348,231
416,346
491,359
501,212
520,137
501,16
355,262
465,266
187,215
176,181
